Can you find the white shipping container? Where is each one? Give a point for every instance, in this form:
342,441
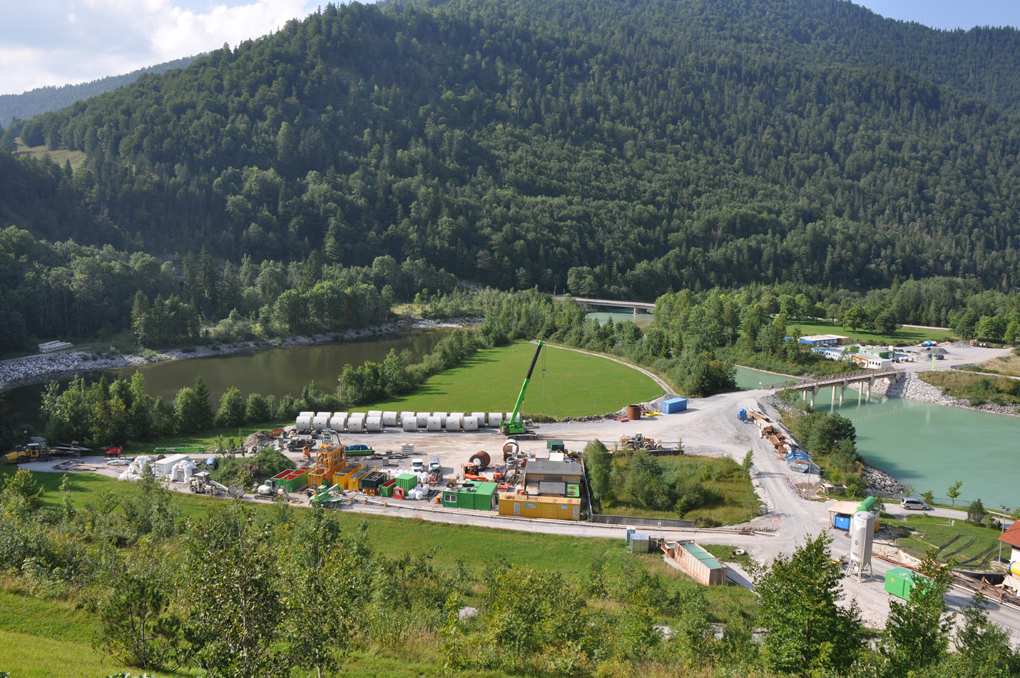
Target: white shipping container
162,467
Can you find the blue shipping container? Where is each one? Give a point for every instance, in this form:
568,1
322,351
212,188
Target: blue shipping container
841,522
674,405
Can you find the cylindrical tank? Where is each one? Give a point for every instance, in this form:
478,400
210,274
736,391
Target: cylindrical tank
356,422
321,420
338,422
304,422
495,419
634,412
1014,568
409,422
373,424
480,417
862,535
390,418
454,421
423,419
375,413
481,460
442,417
470,423
510,449
510,415
434,424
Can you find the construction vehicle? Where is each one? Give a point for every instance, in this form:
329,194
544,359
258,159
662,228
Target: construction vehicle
327,497
516,427
112,452
637,441
201,483
34,452
435,471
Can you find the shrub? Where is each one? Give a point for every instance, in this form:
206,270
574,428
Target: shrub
976,512
258,409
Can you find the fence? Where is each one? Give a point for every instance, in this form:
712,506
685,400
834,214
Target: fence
641,522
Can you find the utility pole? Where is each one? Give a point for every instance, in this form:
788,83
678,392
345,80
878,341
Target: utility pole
340,389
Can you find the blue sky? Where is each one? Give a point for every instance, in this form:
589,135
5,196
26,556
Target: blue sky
56,42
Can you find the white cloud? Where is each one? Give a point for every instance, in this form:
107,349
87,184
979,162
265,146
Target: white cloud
58,42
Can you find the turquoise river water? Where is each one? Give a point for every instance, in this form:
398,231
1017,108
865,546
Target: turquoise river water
928,447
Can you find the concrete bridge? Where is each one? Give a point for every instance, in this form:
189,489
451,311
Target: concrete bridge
841,381
638,307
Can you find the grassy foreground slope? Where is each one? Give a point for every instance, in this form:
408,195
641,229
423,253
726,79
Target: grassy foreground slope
575,384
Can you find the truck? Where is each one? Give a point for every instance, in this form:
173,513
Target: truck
435,471
32,452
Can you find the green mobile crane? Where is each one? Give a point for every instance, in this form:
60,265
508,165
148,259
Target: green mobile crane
515,427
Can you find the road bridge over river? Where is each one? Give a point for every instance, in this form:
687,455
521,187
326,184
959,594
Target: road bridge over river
638,307
841,381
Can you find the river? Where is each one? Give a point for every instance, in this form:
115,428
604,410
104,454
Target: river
926,446
273,372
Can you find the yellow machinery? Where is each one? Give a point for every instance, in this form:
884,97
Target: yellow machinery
328,461
34,452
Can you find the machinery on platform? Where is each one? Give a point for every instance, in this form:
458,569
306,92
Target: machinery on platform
516,427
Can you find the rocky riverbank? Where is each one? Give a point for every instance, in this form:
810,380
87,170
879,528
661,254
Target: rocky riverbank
880,482
912,387
40,368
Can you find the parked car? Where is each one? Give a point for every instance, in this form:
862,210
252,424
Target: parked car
913,504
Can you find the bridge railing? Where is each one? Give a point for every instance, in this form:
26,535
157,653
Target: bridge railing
840,378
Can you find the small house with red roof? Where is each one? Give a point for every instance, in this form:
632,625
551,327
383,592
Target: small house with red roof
1011,537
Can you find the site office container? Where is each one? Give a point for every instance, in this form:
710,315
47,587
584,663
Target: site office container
701,565
451,498
559,508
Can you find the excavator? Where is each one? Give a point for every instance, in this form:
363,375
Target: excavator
515,427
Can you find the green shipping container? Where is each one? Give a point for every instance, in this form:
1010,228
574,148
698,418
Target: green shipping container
899,582
483,496
408,481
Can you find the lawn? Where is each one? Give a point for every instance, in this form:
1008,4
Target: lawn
50,638
574,384
972,547
905,336
59,156
1008,365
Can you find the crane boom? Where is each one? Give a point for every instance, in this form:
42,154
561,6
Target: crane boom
515,427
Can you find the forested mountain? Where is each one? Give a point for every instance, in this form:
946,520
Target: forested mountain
44,99
612,148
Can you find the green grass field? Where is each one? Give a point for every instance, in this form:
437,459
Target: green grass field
902,336
972,547
43,637
574,385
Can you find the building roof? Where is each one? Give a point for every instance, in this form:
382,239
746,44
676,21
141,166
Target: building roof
823,337
701,554
553,468
847,507
1012,535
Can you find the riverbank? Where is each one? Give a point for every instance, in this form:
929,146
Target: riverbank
911,387
42,368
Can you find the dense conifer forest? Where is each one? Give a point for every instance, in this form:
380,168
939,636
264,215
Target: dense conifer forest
603,148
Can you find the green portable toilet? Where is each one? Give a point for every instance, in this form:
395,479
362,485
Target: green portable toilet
899,582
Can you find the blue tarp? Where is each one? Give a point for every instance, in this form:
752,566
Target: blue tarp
797,454
355,448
